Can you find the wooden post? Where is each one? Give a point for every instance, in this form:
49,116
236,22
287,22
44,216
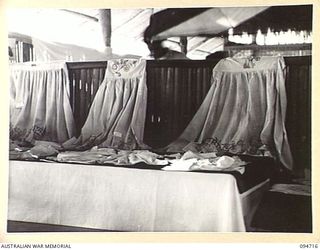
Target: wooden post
105,22
184,45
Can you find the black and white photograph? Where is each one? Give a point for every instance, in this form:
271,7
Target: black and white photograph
185,119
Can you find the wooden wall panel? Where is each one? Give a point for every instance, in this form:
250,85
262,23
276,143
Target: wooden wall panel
85,78
298,119
175,92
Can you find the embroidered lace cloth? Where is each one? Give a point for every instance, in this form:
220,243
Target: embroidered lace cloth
117,115
39,103
244,110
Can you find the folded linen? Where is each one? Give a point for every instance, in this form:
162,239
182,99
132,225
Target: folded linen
223,163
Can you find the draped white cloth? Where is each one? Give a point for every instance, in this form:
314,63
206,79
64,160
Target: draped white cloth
244,110
53,51
124,199
39,103
117,115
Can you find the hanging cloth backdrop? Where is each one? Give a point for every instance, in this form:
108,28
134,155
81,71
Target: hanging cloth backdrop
117,115
39,103
52,51
244,110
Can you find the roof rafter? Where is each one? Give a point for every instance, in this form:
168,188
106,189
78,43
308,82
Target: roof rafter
92,18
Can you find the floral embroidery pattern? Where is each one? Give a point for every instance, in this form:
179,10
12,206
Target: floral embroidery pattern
254,147
17,133
121,66
250,62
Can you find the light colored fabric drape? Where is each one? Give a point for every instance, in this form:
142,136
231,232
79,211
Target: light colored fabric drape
244,109
39,103
124,199
52,51
117,115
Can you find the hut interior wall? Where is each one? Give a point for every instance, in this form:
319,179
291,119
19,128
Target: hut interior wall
177,88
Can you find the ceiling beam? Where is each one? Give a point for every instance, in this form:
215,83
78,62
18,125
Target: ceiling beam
92,18
195,46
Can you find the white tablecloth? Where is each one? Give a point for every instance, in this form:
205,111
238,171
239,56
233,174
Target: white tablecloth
123,199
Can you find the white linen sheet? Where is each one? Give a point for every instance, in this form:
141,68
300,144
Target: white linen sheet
40,103
124,199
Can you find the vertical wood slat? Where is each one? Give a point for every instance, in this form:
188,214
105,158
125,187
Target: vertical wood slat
149,123
161,105
88,90
83,101
169,111
183,105
189,92
198,86
72,89
77,100
154,95
176,112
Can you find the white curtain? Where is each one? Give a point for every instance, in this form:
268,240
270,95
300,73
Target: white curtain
244,109
117,115
53,51
39,103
